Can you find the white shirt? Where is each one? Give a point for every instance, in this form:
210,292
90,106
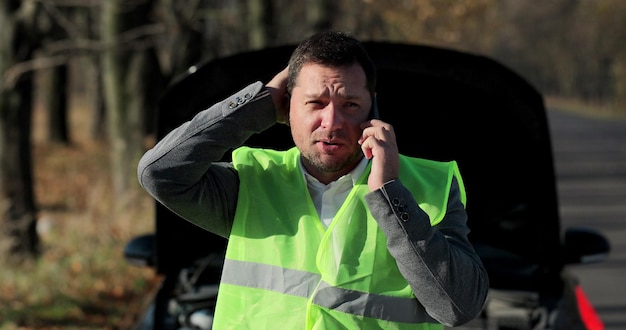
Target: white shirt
328,198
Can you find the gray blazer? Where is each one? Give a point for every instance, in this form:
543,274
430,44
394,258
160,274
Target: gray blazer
183,173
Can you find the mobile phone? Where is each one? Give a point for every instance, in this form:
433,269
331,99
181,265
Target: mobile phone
374,110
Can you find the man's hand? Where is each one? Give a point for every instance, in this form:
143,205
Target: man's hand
278,90
378,143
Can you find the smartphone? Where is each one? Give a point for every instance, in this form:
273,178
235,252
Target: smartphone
374,110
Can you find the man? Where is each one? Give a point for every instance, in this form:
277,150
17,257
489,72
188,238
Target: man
339,232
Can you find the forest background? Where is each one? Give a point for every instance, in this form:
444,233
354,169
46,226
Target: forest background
78,91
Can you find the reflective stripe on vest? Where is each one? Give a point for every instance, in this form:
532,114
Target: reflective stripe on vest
303,284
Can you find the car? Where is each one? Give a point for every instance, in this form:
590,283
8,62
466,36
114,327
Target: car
444,104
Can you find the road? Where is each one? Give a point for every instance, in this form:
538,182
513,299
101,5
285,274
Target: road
590,161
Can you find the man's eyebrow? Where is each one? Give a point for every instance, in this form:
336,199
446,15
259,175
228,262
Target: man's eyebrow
316,95
325,93
352,97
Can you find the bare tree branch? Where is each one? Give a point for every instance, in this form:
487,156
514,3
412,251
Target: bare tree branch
135,39
13,73
54,12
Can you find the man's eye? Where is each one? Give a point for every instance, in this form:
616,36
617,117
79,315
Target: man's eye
352,107
315,104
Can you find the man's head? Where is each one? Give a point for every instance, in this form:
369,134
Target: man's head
331,86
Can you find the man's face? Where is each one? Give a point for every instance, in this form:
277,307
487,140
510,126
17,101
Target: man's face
326,108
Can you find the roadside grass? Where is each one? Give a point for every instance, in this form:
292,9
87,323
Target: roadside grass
598,111
81,280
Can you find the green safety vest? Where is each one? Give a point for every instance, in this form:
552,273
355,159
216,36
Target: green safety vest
284,270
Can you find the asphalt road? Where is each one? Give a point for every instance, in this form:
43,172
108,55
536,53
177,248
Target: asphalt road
590,161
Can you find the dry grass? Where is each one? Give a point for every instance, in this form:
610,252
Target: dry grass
611,110
81,280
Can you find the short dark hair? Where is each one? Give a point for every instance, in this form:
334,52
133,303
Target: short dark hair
335,49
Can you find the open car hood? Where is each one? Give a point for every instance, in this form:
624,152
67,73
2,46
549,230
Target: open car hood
444,105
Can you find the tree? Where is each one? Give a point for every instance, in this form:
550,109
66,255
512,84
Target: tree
58,105
259,22
18,42
128,57
54,25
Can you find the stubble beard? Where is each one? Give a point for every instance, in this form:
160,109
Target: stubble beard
329,166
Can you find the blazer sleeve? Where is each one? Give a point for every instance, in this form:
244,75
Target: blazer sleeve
182,171
439,262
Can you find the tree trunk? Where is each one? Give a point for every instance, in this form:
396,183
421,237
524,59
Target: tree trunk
124,67
20,237
113,68
96,95
57,105
19,241
259,23
318,16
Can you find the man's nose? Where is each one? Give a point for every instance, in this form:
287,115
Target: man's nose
331,117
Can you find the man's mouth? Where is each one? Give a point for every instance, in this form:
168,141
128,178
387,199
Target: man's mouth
328,146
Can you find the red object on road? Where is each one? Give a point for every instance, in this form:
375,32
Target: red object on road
588,314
